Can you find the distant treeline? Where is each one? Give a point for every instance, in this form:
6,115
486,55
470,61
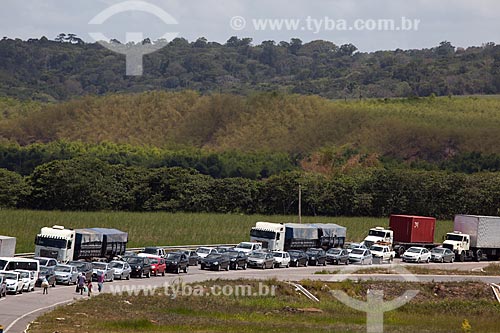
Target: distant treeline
90,184
231,164
48,70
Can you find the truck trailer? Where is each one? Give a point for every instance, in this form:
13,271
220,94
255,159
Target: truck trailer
293,236
474,236
7,246
75,244
404,232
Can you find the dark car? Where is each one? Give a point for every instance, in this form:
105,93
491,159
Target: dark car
316,257
177,261
224,249
337,256
215,261
49,274
193,257
3,286
83,267
140,266
298,258
238,259
261,260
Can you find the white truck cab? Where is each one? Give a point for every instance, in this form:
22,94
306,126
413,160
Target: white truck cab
55,242
379,235
457,242
270,235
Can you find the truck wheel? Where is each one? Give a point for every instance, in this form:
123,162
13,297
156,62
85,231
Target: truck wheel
479,255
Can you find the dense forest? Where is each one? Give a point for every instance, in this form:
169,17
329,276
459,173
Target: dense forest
46,70
235,128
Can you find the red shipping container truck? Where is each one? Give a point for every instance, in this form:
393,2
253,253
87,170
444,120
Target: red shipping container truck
412,229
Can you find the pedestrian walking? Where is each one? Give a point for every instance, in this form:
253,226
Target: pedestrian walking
81,283
45,285
100,281
89,287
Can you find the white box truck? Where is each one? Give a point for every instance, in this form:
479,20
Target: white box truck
474,236
7,246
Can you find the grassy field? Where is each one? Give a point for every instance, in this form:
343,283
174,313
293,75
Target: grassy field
171,229
437,308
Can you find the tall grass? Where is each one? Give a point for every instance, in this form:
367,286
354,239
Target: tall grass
171,229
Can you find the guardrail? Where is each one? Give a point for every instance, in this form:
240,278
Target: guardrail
139,249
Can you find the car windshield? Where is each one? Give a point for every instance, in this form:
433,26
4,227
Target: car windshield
245,246
43,262
278,255
173,256
232,254
135,260
313,252
294,253
259,255
98,265
334,251
10,276
354,246
377,248
151,250
437,250
154,261
213,255
25,275
358,251
116,265
203,250
414,250
64,269
45,272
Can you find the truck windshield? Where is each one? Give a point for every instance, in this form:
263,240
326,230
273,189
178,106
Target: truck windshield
376,233
453,237
50,242
262,234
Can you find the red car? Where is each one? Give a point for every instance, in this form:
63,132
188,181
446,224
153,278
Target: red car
158,265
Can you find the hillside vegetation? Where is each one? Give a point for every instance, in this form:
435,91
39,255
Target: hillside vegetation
59,70
426,129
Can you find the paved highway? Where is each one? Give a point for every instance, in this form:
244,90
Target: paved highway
16,312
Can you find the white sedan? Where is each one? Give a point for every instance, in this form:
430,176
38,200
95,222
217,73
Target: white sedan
29,279
281,259
416,254
14,282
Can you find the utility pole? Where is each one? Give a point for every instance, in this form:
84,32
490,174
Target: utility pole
300,204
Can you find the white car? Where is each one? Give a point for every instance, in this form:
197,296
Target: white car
203,252
122,269
383,252
360,256
281,259
416,254
14,282
66,274
248,247
353,246
29,279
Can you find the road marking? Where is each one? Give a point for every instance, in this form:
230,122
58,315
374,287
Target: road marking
36,310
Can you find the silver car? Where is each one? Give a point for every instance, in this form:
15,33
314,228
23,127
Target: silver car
361,256
103,268
441,254
66,274
122,269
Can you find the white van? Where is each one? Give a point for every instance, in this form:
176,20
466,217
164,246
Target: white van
12,263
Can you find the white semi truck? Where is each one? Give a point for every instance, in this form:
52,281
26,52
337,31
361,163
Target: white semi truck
74,244
289,236
474,236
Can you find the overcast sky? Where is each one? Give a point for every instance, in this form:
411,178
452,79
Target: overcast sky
462,22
